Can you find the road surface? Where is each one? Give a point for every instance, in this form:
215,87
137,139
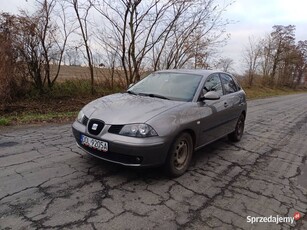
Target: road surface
46,182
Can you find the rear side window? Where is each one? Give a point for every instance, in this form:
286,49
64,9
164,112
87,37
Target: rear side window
213,83
228,84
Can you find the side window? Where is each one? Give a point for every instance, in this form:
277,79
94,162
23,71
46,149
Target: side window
228,84
213,83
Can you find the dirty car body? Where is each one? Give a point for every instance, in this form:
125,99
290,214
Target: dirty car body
163,119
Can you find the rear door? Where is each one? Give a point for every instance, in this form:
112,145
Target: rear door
232,102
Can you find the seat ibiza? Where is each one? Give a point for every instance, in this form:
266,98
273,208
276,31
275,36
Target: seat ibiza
163,119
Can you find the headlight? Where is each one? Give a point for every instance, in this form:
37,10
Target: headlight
80,116
138,130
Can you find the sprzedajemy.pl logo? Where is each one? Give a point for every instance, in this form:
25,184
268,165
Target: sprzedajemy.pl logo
273,219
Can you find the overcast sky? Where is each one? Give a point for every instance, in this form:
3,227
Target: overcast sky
256,18
251,17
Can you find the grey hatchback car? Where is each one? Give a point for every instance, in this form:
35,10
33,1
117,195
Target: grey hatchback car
163,119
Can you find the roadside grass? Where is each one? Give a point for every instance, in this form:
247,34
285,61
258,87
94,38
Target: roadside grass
59,105
4,121
37,118
258,92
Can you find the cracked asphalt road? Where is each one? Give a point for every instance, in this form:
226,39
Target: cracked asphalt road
46,182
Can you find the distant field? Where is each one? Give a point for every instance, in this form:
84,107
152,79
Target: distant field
82,72
68,72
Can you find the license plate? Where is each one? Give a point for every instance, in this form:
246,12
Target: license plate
94,143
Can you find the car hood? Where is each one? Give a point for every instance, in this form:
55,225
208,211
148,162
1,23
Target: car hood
124,108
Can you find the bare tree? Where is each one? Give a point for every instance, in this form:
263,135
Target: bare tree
161,32
266,58
36,40
82,11
111,61
252,55
225,64
301,63
53,36
199,27
283,37
281,62
28,46
129,27
12,71
66,27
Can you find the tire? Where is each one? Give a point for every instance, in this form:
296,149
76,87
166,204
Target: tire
179,156
236,135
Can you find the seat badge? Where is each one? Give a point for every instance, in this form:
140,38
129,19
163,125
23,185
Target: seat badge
94,126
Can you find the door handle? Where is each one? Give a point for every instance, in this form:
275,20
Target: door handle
225,104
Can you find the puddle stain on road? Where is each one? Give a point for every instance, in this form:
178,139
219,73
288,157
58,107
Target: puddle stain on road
8,144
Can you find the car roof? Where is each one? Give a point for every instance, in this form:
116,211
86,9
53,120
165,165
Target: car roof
203,72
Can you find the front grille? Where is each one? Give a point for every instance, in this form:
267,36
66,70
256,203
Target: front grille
95,126
115,129
85,120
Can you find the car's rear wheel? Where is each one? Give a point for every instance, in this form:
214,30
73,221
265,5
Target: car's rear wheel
236,135
180,155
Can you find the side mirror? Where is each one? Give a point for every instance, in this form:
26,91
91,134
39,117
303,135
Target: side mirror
130,85
211,95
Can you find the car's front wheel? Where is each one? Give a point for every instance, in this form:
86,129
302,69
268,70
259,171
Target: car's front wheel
237,134
180,155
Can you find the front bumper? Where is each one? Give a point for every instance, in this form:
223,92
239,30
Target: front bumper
128,151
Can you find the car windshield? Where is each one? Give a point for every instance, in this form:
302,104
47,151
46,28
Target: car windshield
165,85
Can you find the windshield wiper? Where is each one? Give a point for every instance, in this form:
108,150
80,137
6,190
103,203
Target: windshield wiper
154,95
131,92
